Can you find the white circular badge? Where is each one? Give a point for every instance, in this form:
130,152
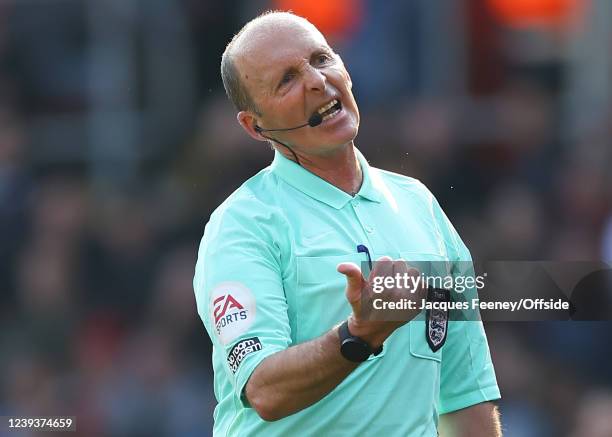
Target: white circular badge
232,310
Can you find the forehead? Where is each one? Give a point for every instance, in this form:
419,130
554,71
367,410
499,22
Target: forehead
268,48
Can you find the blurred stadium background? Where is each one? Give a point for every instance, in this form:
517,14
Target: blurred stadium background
117,142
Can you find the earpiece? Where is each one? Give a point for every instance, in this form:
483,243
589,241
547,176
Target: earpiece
314,120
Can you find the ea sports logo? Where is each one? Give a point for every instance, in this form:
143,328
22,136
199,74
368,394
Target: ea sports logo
227,310
224,304
233,310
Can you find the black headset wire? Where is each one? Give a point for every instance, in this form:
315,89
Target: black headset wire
259,130
314,120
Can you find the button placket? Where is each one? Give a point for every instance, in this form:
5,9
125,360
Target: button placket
362,216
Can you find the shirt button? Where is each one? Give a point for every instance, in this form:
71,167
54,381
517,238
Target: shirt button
355,203
369,229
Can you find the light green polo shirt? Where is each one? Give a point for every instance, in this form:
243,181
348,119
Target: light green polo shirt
266,280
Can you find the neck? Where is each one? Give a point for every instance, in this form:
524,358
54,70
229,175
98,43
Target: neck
340,168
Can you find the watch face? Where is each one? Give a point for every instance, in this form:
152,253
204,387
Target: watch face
354,350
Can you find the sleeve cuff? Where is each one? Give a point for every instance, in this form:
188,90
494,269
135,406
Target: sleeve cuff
247,368
490,393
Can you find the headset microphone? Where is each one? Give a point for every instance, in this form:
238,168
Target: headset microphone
314,120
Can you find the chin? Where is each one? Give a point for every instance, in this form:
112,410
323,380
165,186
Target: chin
346,135
336,144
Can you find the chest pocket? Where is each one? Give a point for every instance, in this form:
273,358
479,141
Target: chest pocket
320,300
434,266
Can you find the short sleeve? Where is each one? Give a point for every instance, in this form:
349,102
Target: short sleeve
239,290
467,373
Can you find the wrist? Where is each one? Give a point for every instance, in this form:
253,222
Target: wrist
354,348
373,339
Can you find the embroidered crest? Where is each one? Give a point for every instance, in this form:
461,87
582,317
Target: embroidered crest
436,321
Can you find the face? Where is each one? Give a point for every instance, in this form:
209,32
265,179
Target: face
292,73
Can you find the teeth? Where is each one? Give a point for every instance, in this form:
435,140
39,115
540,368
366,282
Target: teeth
332,115
322,109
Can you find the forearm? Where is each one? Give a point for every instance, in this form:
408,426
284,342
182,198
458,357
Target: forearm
480,420
293,379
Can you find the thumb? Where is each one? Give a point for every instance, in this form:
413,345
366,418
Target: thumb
354,283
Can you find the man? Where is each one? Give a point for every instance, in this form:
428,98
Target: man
292,352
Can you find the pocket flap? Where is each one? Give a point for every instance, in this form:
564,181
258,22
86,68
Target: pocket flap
316,269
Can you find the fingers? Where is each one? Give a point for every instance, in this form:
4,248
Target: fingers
354,281
406,284
379,267
401,266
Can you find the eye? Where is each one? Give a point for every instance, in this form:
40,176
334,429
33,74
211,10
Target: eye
287,77
322,58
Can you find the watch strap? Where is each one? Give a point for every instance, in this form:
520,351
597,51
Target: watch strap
345,333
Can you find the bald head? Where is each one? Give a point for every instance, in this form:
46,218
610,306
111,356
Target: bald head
256,32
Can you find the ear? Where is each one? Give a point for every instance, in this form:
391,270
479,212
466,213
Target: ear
248,121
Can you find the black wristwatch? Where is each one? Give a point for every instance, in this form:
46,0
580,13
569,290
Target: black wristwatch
354,348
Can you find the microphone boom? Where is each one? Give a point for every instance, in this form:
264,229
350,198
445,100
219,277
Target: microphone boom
314,120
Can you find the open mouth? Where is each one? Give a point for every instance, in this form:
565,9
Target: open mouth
330,110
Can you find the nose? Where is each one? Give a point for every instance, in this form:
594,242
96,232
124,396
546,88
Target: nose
315,80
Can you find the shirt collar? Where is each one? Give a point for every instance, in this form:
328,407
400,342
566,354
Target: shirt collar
319,189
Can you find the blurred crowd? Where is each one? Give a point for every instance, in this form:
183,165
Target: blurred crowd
109,174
